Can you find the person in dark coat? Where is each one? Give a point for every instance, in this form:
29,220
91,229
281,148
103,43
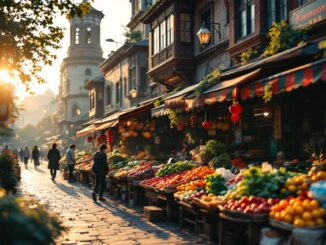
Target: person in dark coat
54,158
100,168
36,156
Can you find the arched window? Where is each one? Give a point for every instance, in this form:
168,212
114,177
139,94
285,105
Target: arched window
77,32
88,35
88,72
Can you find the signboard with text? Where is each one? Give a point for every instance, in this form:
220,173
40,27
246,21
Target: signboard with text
308,14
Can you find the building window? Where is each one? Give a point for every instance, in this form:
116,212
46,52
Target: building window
143,81
77,33
162,35
108,95
125,86
246,17
92,100
117,92
88,35
276,11
132,77
156,40
88,72
185,28
169,30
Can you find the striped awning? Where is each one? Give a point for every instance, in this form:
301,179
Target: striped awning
220,92
85,131
287,81
177,99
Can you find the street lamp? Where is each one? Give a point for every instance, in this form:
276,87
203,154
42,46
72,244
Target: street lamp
204,34
110,40
133,93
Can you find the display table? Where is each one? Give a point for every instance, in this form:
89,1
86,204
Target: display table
163,200
187,215
207,223
136,194
239,230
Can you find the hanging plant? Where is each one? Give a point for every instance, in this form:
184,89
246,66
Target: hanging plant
208,81
267,97
282,37
174,118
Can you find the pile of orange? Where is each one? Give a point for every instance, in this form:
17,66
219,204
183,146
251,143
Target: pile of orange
314,177
300,211
196,173
297,184
191,186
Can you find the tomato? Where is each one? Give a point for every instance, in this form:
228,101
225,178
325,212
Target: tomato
284,203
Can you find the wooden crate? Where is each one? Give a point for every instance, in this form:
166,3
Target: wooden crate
153,214
65,175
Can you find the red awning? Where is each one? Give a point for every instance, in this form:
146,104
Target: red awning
85,131
220,91
287,81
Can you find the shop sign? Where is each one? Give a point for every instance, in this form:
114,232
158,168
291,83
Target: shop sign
277,123
308,14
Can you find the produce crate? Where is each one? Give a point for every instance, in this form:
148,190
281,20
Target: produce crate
153,214
65,175
289,227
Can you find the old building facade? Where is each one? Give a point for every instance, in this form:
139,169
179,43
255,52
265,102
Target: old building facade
81,65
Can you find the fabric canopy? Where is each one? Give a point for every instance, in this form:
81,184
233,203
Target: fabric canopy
220,92
85,131
177,99
288,80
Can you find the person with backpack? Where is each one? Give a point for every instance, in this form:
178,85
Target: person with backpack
100,169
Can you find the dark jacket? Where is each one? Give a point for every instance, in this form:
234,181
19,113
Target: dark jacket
100,165
35,154
54,158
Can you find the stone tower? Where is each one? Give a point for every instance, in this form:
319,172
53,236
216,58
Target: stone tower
81,64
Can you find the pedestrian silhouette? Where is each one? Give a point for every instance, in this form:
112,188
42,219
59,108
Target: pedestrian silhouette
54,158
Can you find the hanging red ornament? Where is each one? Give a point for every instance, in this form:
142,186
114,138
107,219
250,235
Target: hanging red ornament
89,139
235,118
180,125
101,139
235,108
206,124
12,121
109,136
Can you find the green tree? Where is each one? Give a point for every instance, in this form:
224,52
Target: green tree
29,35
133,36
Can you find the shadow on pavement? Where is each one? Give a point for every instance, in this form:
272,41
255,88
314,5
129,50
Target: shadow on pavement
72,191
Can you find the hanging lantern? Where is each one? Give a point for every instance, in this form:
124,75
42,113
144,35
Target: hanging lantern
12,121
109,137
206,124
235,108
90,139
235,118
101,139
180,125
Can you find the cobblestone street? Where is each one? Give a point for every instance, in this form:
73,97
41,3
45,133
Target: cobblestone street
102,223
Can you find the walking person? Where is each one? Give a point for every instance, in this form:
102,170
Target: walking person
36,156
54,158
26,155
21,155
71,161
100,169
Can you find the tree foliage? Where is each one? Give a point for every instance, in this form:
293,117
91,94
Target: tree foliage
133,36
29,35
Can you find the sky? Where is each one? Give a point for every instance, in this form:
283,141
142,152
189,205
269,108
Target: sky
117,15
